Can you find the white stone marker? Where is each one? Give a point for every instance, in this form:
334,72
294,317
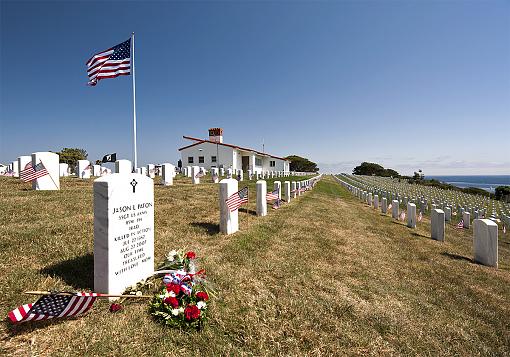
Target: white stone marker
151,171
394,209
96,170
51,163
298,187
15,168
63,169
240,175
370,198
83,170
123,231
250,175
222,171
123,167
466,218
229,173
188,171
261,198
411,215
447,214
437,224
167,174
376,201
215,175
229,222
384,205
286,189
485,242
278,186
194,171
23,161
293,187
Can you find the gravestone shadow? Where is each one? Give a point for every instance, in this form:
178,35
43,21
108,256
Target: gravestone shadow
420,235
77,272
210,228
248,211
457,257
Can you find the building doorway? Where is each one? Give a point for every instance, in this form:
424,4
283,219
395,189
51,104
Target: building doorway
245,163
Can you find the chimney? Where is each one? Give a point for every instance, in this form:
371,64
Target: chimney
216,135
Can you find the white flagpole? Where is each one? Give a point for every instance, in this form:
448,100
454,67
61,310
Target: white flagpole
134,98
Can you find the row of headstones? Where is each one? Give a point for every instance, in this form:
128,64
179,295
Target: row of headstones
433,193
485,231
476,211
229,222
124,224
216,173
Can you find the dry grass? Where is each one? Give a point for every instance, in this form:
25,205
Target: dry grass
324,275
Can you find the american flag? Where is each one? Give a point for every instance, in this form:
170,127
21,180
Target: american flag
199,174
277,204
54,306
214,177
420,217
237,199
111,63
461,224
31,173
389,207
272,195
402,216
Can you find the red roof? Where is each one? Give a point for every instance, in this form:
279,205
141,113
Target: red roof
200,141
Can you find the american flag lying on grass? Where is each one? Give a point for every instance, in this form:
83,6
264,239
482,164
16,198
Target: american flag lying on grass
54,306
237,199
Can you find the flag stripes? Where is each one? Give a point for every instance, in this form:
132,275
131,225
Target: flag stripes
113,62
237,199
31,173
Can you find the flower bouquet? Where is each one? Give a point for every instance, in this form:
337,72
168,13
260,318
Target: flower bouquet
182,299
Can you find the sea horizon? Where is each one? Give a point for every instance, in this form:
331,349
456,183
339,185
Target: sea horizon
485,182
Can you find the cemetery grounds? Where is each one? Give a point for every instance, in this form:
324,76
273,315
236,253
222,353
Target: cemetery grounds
323,275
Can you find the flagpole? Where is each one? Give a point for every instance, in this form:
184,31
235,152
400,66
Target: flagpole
134,99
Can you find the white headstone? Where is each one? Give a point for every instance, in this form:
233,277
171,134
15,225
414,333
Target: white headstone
394,209
23,161
376,201
167,174
437,224
96,170
384,205
15,168
261,198
215,175
123,166
188,171
229,222
286,189
466,217
63,169
411,215
84,169
485,242
123,231
293,188
194,172
278,186
151,170
50,161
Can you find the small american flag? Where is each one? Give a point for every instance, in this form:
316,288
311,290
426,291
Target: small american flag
420,217
214,177
389,207
237,199
31,173
111,63
272,195
277,204
199,174
460,225
504,229
54,306
402,216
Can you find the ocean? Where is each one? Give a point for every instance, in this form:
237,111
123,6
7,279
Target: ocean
488,183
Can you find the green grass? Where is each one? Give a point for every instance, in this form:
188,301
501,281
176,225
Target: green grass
323,275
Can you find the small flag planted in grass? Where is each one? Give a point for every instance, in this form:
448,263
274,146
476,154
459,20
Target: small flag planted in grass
389,207
272,195
460,225
199,174
277,204
31,173
420,217
402,216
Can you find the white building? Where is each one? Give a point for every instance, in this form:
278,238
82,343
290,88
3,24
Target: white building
215,153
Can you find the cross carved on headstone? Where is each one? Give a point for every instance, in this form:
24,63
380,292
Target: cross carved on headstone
134,183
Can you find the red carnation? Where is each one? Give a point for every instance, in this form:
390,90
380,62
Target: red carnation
202,295
172,301
191,255
173,287
115,307
191,312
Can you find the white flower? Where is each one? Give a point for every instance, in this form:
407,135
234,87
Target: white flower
138,293
171,255
162,296
169,294
181,310
201,305
175,312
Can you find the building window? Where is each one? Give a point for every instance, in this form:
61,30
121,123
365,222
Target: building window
258,162
272,163
190,159
200,159
213,158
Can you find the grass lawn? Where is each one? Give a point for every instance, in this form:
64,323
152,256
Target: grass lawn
323,275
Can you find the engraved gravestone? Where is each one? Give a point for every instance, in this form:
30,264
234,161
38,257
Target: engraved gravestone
123,231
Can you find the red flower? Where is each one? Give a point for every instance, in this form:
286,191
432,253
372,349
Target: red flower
191,312
191,255
173,287
115,307
202,295
172,301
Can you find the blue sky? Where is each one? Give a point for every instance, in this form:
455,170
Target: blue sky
408,84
